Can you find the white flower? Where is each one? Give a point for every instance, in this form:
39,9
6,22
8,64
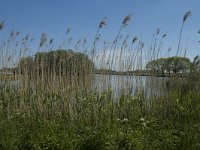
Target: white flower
125,120
141,119
144,124
118,119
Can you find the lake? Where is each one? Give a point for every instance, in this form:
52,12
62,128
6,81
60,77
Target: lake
118,84
150,86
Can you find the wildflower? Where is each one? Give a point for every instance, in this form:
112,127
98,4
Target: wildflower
144,124
134,98
141,119
125,120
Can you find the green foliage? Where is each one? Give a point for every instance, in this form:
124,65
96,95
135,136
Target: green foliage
170,65
97,122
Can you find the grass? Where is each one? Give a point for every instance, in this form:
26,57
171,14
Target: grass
95,122
55,106
7,77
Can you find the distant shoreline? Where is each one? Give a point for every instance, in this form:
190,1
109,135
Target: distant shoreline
132,73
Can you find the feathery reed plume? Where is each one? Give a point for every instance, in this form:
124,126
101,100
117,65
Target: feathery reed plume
125,22
27,37
64,40
43,39
164,35
12,33
97,35
168,51
134,40
102,23
68,31
127,19
158,31
161,44
9,58
17,33
51,41
185,17
131,56
156,34
2,25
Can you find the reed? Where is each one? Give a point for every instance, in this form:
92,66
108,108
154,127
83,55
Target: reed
54,99
185,17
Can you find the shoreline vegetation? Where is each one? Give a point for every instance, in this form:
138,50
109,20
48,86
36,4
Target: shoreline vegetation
140,73
55,106
11,76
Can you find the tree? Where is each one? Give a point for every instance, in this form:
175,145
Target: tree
195,66
170,65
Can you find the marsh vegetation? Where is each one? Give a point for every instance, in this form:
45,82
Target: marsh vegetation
58,102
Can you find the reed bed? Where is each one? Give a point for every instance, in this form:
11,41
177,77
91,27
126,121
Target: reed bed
50,101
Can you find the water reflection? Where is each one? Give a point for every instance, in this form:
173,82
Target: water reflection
118,84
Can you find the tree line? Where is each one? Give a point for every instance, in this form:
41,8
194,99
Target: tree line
174,65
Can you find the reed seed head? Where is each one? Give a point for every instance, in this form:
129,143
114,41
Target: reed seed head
134,40
187,15
51,41
43,39
127,19
169,49
9,58
158,31
103,22
164,35
68,31
2,25
17,33
84,40
98,37
12,33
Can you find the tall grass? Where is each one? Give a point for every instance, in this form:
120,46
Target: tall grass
185,17
53,103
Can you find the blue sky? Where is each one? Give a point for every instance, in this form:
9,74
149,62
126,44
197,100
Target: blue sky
82,16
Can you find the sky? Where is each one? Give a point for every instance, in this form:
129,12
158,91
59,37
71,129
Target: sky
35,17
